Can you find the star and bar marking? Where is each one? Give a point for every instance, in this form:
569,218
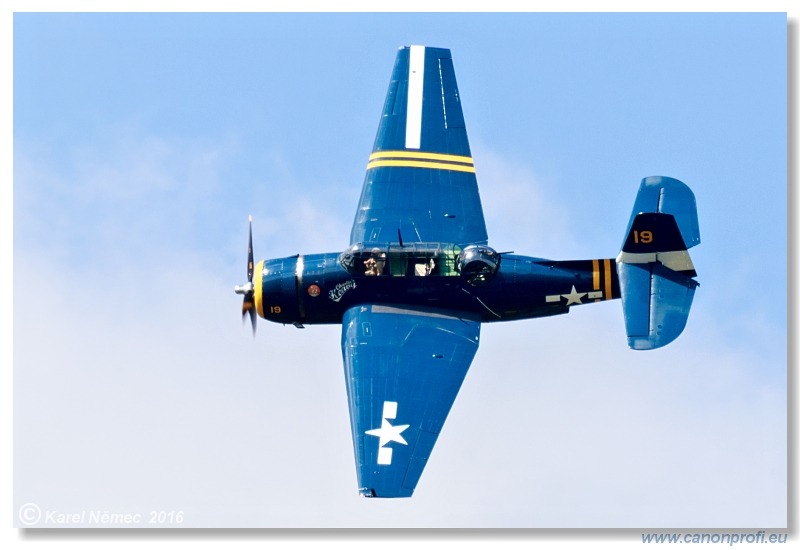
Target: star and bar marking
600,278
388,433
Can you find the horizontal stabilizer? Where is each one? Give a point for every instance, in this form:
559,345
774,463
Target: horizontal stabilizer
656,302
669,196
656,274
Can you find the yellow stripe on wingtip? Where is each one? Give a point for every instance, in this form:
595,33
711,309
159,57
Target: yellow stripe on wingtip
607,273
419,155
596,274
421,164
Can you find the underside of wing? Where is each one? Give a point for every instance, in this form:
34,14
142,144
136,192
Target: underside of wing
403,369
420,183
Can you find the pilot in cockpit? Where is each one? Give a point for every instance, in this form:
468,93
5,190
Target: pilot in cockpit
424,269
374,264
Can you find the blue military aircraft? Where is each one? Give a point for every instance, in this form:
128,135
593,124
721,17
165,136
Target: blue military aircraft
419,278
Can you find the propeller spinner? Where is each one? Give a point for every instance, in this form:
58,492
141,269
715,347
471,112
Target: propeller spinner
248,304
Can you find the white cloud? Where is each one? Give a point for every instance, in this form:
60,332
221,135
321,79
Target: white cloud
520,214
137,385
149,391
152,393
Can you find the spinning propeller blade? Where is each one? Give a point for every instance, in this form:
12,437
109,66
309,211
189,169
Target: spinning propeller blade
248,304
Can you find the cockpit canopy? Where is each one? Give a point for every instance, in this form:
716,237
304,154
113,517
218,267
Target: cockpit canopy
478,264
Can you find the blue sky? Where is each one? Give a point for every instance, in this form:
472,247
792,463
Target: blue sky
142,142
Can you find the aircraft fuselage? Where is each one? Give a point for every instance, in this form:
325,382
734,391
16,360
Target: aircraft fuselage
319,288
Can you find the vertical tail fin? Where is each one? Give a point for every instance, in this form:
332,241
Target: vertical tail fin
656,273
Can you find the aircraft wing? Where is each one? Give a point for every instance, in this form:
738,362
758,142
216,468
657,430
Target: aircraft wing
403,367
420,181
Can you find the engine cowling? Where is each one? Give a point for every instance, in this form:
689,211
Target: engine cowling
275,284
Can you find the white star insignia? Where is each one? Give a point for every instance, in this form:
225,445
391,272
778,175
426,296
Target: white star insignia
388,433
574,297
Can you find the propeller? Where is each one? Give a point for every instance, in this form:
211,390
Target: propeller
248,304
